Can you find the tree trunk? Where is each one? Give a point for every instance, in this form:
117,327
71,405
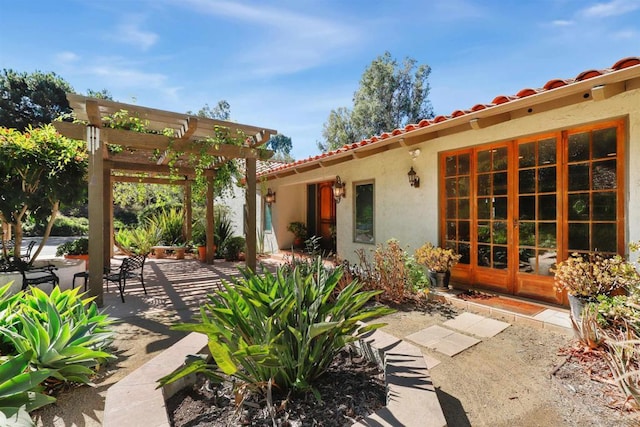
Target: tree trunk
47,231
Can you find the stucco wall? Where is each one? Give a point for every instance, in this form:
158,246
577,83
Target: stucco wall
411,214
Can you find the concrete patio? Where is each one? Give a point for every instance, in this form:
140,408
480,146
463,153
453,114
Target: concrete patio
175,291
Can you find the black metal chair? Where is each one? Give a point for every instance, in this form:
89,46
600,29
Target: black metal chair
26,257
31,276
131,268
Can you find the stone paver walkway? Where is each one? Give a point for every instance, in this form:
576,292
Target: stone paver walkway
447,341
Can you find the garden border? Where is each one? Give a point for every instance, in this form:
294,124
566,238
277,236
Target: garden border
411,395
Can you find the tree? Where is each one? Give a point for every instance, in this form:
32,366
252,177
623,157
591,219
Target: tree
38,167
390,96
222,111
338,130
102,94
282,146
31,99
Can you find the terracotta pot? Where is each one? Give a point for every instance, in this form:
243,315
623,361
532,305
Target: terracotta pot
179,252
84,257
202,253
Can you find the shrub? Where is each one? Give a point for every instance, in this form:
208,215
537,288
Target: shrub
591,275
20,390
436,258
223,230
62,331
74,247
282,329
171,224
62,226
139,240
233,247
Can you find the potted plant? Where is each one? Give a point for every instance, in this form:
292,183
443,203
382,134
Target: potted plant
75,249
439,262
299,230
584,277
234,247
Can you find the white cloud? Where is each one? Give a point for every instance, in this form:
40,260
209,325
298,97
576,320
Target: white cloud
66,57
612,8
280,41
129,32
562,23
625,34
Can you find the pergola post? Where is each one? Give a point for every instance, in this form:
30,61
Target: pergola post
187,210
107,226
96,213
251,213
210,174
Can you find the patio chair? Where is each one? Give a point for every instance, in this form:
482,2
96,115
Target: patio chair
131,268
31,276
26,257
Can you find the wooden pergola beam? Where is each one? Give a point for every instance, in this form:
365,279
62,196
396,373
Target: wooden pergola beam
150,180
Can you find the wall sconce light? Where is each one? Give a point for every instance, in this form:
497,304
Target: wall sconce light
414,179
338,189
270,197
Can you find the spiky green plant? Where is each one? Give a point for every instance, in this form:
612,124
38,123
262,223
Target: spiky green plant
20,390
171,224
63,331
282,329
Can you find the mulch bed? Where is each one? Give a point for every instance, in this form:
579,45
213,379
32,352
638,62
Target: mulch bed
351,389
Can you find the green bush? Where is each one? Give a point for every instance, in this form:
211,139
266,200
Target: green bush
281,329
171,224
223,230
232,248
139,240
62,226
20,390
74,247
63,332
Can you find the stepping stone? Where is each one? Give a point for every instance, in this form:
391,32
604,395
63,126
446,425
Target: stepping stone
443,340
477,325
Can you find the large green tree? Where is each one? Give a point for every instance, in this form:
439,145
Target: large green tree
31,99
282,146
38,167
390,95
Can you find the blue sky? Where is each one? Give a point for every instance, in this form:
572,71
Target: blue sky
285,64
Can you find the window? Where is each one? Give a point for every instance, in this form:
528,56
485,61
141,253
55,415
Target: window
364,230
266,218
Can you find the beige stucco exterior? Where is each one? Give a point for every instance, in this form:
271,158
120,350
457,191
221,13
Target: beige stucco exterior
411,215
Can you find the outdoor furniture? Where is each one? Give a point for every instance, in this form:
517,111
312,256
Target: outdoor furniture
26,257
31,276
84,276
131,268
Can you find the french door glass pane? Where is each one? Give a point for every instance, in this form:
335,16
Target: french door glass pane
593,196
579,177
604,143
579,147
604,237
458,205
604,175
537,207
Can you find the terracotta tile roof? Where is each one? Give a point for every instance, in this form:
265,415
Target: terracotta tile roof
498,100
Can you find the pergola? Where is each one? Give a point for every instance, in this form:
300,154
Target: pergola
158,159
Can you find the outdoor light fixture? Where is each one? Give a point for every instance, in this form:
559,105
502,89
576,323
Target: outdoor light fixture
270,197
414,179
338,189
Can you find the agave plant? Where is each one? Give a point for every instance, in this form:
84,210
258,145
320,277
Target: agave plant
61,331
20,390
282,329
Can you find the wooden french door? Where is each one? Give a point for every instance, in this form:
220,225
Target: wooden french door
321,212
514,209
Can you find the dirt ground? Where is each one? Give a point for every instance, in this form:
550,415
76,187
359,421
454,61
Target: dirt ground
507,380
503,381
